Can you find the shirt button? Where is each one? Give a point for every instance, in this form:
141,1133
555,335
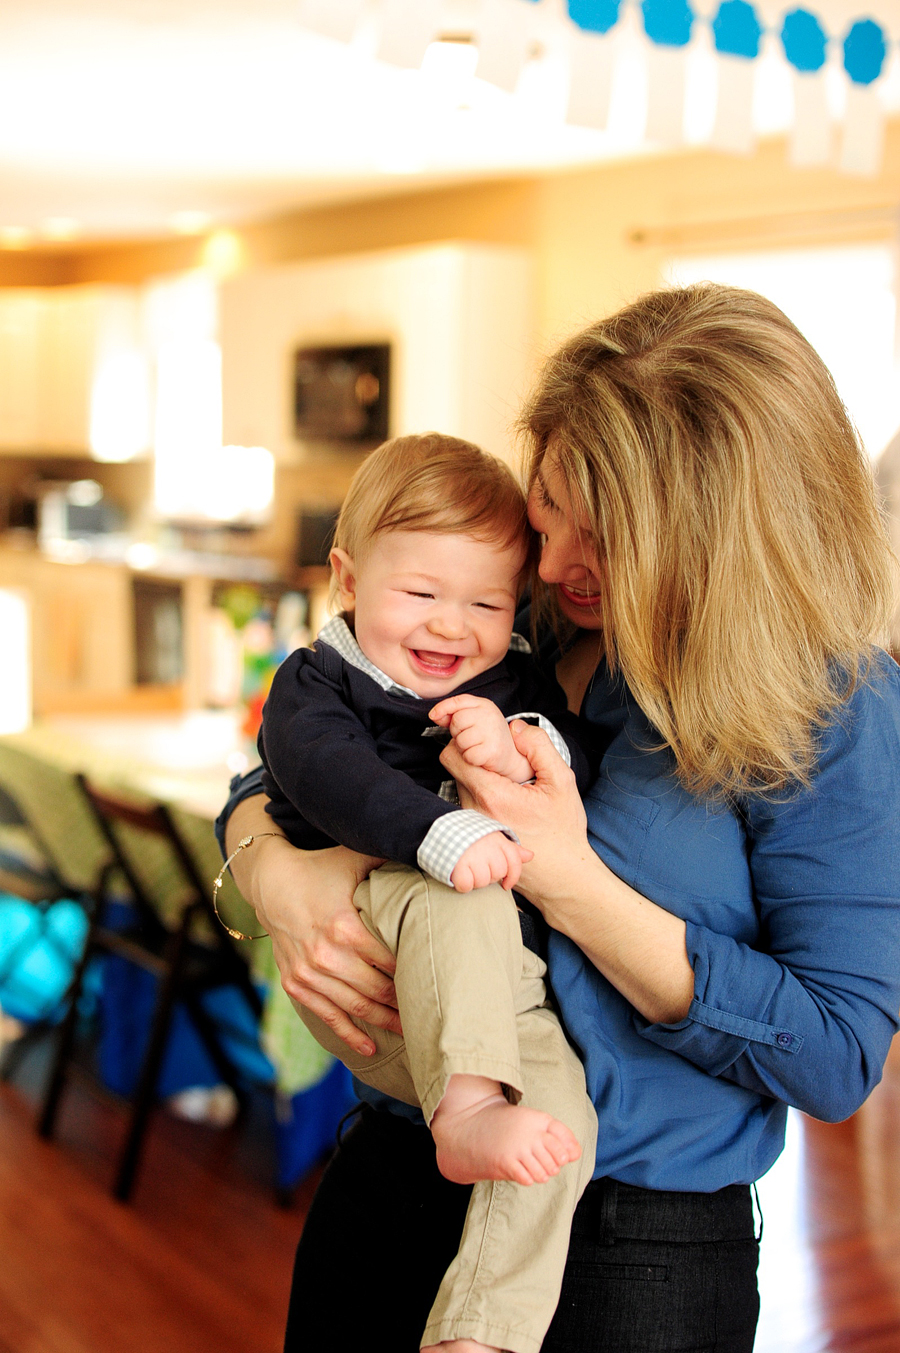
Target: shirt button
783,1040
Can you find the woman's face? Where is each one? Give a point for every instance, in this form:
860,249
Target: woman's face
568,556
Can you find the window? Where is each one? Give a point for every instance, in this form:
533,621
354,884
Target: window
844,300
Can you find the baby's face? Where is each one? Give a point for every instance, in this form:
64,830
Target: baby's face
432,611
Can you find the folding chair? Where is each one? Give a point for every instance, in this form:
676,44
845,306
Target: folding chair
187,957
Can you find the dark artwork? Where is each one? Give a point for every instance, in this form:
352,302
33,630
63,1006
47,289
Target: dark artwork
341,393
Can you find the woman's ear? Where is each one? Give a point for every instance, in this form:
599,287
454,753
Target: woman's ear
345,572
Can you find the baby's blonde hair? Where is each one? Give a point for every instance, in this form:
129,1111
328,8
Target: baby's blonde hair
432,482
745,569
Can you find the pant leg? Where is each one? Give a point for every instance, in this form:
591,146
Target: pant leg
503,1286
459,966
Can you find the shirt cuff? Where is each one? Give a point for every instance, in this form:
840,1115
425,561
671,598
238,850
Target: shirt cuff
553,734
449,838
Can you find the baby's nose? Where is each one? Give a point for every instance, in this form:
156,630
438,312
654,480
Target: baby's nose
449,622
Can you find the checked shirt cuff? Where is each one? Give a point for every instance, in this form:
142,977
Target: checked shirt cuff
450,836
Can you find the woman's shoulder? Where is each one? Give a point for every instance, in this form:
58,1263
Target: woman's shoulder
856,776
868,720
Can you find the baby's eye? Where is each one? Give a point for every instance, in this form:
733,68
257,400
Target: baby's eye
426,596
486,606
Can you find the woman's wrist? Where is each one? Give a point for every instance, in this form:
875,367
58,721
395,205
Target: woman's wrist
636,944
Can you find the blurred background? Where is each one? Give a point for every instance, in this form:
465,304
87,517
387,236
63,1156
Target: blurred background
239,246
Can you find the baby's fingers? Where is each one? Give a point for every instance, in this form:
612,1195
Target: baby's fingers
444,710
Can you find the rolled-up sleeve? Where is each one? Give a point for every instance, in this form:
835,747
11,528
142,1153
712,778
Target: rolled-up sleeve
242,787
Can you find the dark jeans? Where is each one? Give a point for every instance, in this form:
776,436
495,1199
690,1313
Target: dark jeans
648,1272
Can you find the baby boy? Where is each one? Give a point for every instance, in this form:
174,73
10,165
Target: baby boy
431,550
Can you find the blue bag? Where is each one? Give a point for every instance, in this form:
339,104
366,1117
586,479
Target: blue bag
40,945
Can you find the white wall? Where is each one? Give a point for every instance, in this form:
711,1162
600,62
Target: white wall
459,317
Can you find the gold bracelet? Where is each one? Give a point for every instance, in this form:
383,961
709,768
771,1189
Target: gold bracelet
217,883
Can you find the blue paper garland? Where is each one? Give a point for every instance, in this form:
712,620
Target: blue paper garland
594,16
737,31
864,52
804,40
668,23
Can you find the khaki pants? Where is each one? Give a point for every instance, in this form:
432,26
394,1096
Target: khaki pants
472,1001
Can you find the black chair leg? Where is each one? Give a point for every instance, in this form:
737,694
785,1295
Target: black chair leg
145,1092
64,1047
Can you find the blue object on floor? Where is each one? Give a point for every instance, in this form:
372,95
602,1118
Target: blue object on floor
306,1126
127,1000
40,944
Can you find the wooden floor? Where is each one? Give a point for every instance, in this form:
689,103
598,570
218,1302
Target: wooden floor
200,1260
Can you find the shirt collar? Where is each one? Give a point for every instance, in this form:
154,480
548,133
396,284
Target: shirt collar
337,633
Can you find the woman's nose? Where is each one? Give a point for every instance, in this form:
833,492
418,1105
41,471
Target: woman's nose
551,559
560,553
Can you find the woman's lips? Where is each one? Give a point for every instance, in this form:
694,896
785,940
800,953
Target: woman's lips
436,664
577,597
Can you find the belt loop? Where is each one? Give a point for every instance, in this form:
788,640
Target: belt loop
759,1212
608,1209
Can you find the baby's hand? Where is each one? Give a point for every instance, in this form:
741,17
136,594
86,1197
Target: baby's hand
490,859
482,735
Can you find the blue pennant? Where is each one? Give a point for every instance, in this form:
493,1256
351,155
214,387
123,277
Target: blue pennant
668,22
804,40
864,52
597,16
736,29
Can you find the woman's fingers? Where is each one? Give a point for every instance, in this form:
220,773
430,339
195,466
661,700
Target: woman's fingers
340,1022
538,750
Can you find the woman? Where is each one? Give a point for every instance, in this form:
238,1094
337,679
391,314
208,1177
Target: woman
724,910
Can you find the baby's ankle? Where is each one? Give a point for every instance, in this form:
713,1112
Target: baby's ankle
465,1092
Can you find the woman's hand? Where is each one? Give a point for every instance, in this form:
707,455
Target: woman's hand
547,814
638,946
327,959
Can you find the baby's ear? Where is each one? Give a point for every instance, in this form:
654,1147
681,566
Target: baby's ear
344,571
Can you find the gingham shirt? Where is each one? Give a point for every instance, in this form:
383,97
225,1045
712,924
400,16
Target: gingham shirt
449,837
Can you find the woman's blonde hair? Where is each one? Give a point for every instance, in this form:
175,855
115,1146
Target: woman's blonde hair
745,569
432,482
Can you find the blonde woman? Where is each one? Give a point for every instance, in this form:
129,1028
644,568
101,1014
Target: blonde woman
723,909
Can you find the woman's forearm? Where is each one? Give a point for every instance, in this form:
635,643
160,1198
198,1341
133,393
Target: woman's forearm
638,946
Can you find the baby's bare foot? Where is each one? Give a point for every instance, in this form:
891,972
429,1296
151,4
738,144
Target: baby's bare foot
480,1135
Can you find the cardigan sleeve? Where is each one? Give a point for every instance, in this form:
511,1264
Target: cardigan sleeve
808,1017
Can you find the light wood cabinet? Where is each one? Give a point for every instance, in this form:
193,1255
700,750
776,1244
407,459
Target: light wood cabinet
53,342
82,630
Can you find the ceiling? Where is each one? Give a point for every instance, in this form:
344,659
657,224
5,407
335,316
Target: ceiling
120,117
127,118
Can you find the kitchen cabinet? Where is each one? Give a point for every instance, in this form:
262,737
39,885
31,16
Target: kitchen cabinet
106,638
54,342
81,626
